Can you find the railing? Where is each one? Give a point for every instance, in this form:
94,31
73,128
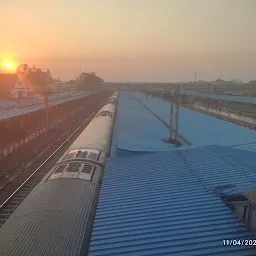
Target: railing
228,113
246,213
239,203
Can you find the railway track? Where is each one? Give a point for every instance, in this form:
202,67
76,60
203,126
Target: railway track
8,206
19,160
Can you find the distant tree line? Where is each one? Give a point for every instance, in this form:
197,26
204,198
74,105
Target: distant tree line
89,81
221,81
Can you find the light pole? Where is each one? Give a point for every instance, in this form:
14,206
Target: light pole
46,99
46,103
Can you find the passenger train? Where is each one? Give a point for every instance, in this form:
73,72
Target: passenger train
56,218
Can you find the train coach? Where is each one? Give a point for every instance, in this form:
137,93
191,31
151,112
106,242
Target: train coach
56,218
114,98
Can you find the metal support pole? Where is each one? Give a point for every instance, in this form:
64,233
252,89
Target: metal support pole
171,119
208,96
177,114
46,102
177,122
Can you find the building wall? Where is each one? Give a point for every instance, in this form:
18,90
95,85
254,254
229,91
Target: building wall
7,82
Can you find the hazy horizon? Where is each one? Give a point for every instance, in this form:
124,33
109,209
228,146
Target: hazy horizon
143,40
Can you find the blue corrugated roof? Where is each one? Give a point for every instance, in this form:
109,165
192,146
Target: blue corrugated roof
244,99
223,167
249,146
126,153
138,129
201,129
164,204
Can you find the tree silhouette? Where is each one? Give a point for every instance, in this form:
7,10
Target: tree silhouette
220,81
34,77
89,81
38,81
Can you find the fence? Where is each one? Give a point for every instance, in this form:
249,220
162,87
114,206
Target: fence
239,116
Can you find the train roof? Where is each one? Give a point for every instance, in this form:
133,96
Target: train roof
95,136
98,133
53,220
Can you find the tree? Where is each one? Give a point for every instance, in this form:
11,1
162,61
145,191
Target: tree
234,81
22,72
34,77
252,82
38,81
89,81
219,81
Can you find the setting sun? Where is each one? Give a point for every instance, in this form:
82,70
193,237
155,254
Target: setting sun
8,65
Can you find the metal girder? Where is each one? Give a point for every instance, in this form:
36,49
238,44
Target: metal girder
174,114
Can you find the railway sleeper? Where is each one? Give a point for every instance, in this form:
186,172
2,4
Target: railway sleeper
2,220
4,214
28,185
14,202
4,217
17,197
25,191
7,209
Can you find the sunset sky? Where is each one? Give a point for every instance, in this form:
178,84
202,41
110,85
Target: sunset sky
133,40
